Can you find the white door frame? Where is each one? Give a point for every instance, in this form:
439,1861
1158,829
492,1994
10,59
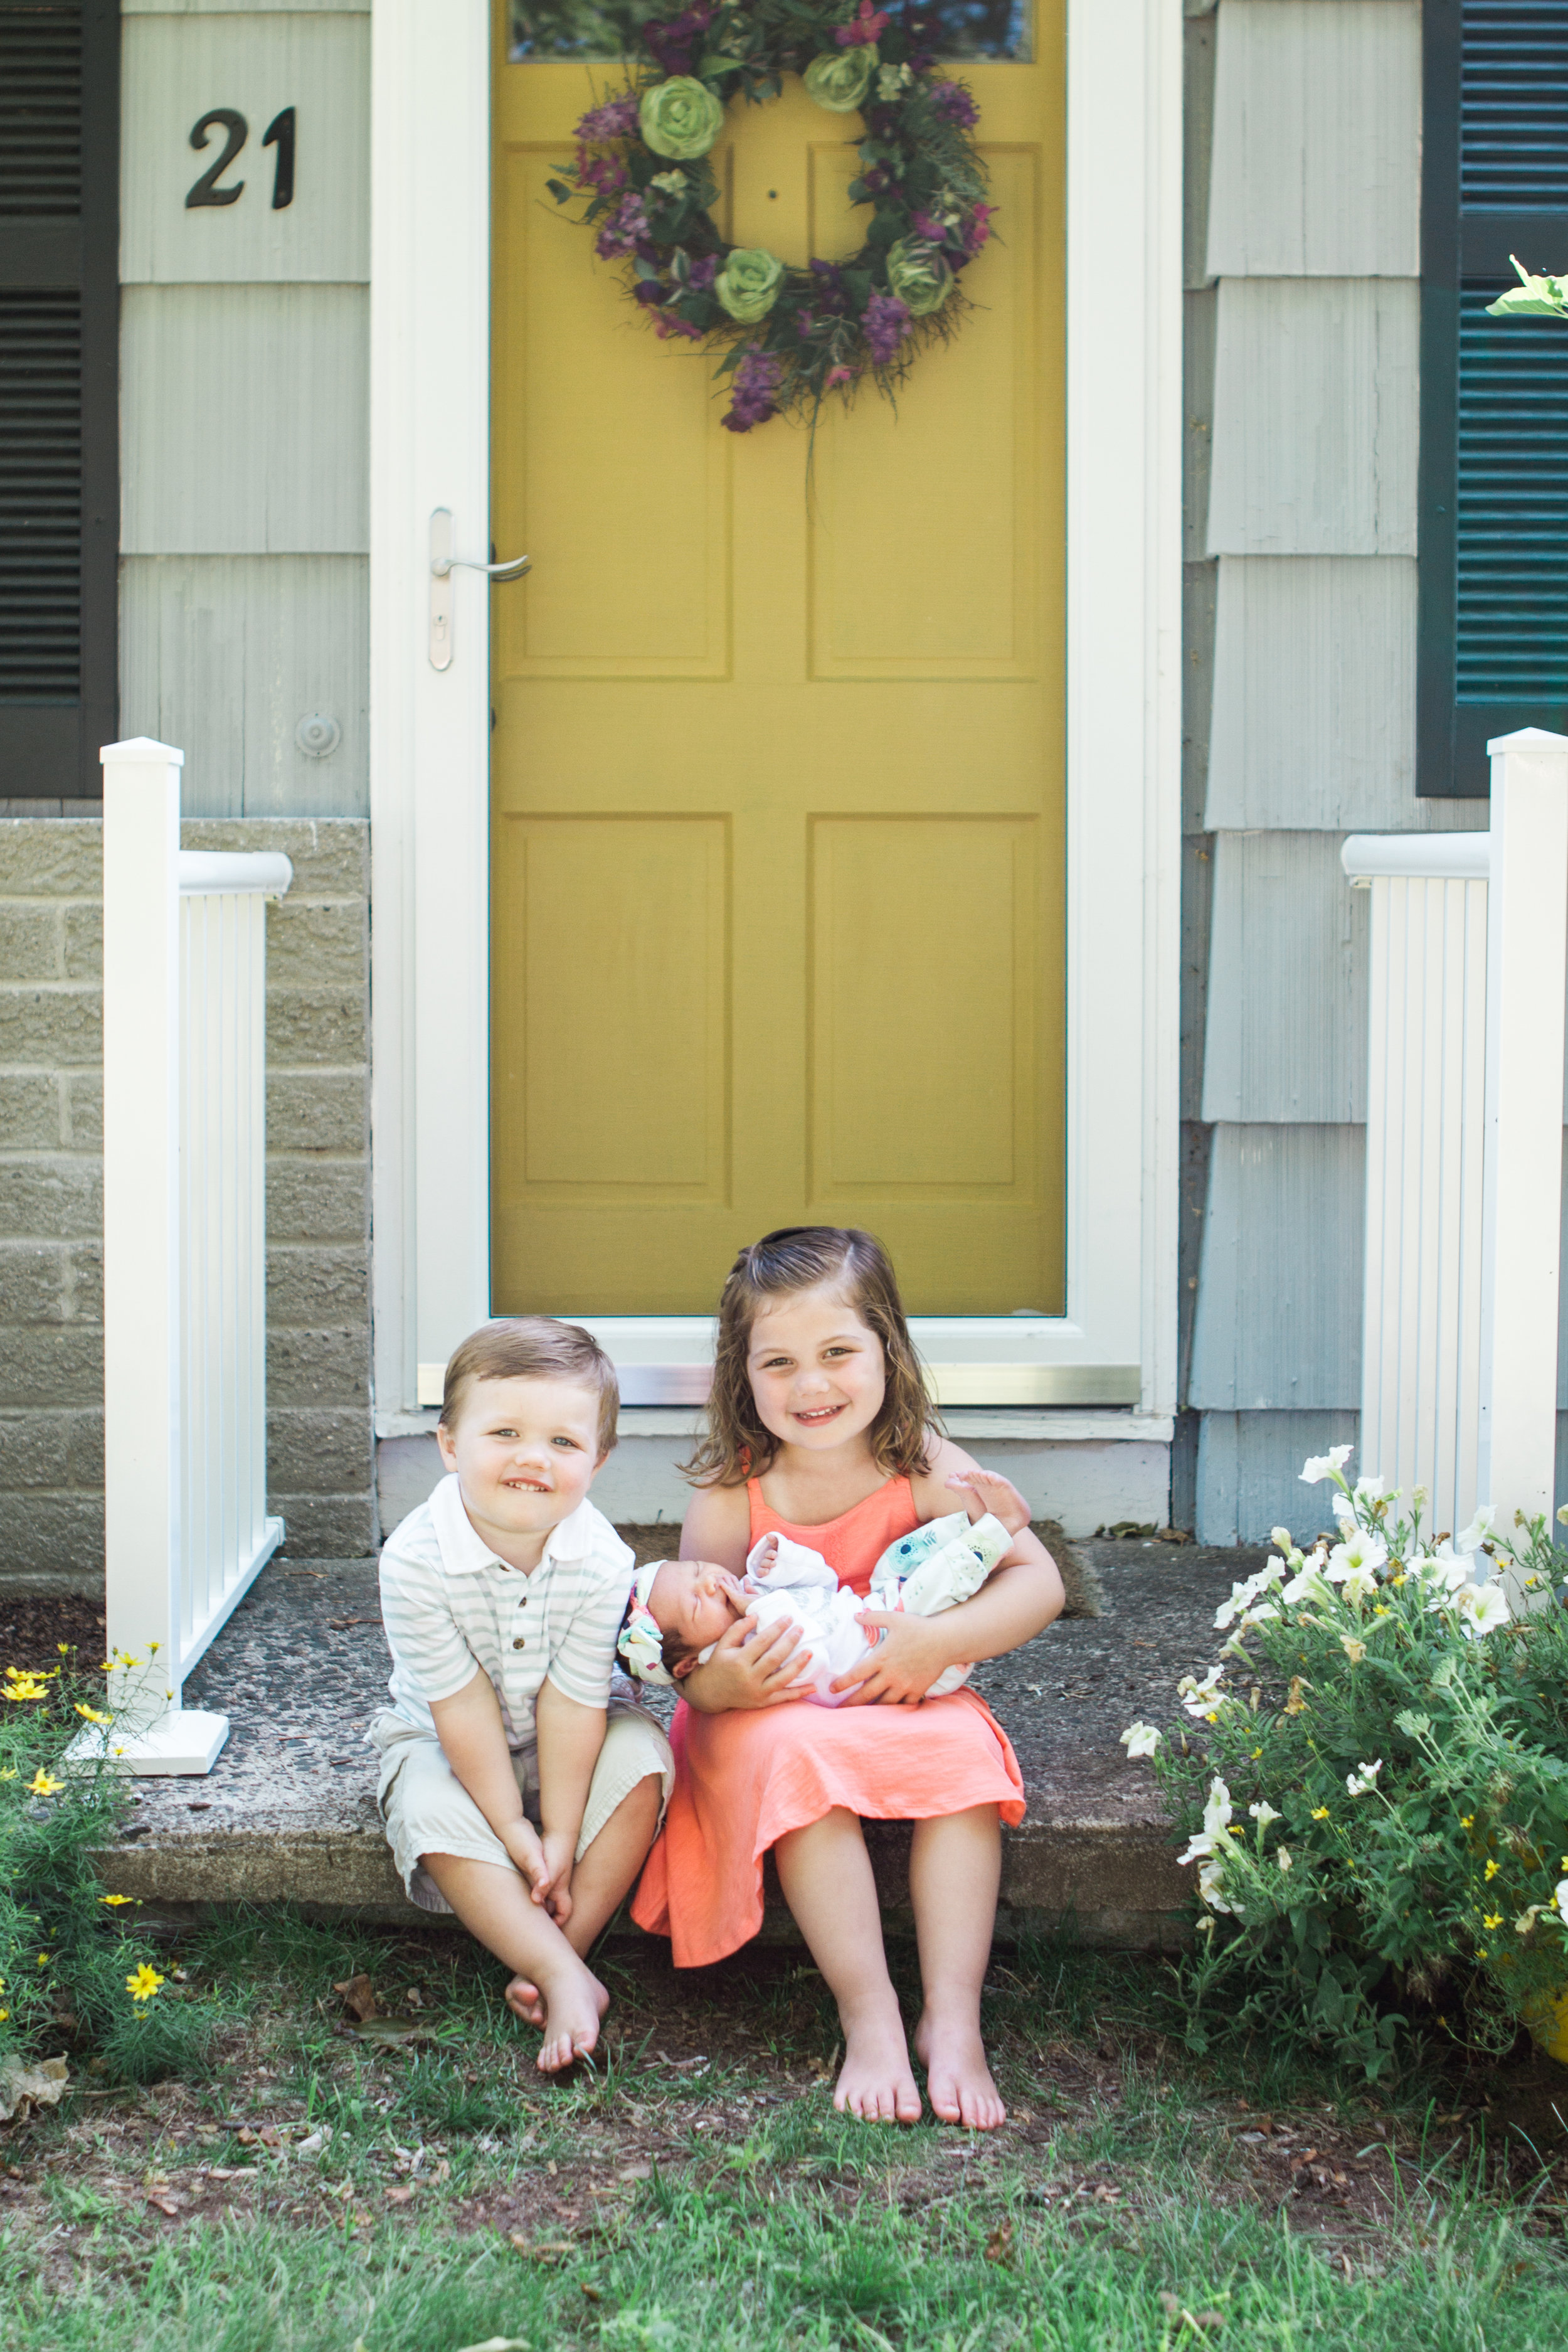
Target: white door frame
430,361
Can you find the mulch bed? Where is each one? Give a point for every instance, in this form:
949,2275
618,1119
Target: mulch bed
33,1625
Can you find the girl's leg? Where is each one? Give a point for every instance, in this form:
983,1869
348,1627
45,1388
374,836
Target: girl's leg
600,1882
955,1869
825,1873
495,1906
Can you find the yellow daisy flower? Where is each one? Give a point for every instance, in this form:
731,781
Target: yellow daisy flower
40,1785
1320,1812
1492,1869
144,1983
1492,1920
116,1899
92,1713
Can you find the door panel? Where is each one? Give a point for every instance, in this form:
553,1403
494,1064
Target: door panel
778,762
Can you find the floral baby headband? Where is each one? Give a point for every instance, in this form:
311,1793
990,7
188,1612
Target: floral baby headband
640,1643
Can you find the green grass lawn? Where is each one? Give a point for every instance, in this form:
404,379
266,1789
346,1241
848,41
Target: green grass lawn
414,2186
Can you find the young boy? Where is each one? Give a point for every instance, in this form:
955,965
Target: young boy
517,1790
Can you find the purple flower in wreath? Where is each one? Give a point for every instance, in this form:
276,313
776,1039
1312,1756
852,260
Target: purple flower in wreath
753,390
622,233
702,274
955,104
605,174
868,26
833,302
650,293
977,230
931,230
670,322
672,44
885,323
616,118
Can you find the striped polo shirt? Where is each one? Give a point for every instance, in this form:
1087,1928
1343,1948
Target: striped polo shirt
449,1605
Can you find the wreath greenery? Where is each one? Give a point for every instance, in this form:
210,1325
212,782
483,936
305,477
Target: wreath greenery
789,336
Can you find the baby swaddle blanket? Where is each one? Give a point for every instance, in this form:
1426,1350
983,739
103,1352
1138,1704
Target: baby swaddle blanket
933,1568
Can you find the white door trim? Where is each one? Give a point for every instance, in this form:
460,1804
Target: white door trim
430,730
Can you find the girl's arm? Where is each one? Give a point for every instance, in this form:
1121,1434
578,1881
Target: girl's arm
748,1669
474,1741
1020,1597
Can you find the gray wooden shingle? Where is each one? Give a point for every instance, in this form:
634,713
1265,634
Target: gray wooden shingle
1316,155
1315,417
1248,1473
1286,1033
245,420
225,654
1314,719
1279,1304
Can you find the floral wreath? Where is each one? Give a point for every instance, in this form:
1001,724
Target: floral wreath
789,336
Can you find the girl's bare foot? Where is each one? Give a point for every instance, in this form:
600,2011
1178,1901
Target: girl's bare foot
875,2082
575,2003
957,2079
984,1490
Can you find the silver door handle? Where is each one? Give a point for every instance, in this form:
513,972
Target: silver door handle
443,563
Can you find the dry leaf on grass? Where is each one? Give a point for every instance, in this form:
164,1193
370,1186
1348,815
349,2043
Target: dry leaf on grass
547,2251
393,2028
999,2244
23,2088
359,1996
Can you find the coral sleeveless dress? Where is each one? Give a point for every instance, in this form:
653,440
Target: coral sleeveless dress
746,1779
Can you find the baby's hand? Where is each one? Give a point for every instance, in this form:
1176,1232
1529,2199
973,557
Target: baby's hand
984,1491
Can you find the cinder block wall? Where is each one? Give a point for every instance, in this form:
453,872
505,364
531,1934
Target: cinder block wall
319,1445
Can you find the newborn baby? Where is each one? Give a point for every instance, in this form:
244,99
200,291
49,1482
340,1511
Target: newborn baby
680,1608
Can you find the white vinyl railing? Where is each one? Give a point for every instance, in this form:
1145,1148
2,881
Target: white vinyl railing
1467,977
184,1249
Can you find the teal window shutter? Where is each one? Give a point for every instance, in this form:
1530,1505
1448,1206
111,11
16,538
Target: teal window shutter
1493,596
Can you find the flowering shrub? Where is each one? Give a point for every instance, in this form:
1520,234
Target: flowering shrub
73,1971
1375,1781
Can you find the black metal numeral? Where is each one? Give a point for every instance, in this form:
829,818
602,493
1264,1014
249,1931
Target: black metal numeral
280,134
205,191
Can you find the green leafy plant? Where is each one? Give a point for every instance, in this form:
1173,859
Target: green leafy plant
1375,1781
73,1970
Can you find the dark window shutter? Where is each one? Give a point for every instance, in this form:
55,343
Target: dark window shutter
1493,630
59,332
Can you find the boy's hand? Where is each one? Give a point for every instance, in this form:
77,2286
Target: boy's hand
560,1854
526,1850
984,1491
904,1664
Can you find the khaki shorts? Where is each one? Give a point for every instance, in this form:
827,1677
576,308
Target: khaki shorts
427,1809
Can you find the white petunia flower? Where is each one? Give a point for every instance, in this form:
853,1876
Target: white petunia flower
1343,1508
1358,1587
1217,1811
1560,1896
1483,1607
1358,1554
1280,1538
1211,1879
1263,1813
1283,1856
1478,1531
1364,1778
1201,1696
1370,1490
1140,1739
1308,1586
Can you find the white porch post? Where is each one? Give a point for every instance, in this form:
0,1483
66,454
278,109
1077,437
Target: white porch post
1527,958
141,1203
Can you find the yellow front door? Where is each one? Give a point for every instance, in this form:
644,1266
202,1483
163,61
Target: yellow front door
777,835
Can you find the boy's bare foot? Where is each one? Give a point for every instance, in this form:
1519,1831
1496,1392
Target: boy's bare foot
957,2079
875,2082
984,1490
525,2000
575,2003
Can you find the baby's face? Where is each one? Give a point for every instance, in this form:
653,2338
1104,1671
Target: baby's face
696,1601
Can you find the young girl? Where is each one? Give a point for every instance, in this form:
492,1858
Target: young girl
819,1428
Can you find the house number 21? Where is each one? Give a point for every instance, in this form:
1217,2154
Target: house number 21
279,134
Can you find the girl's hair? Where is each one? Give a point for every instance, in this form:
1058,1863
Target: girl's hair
805,1257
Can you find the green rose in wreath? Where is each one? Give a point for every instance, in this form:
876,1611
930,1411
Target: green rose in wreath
747,285
681,118
840,79
919,276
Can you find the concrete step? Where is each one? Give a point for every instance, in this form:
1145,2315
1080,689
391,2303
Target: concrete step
289,1811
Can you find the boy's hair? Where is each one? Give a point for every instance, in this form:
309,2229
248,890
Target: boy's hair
533,1347
804,1257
